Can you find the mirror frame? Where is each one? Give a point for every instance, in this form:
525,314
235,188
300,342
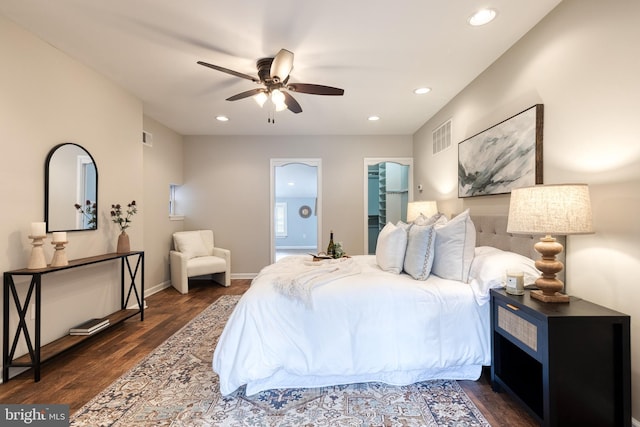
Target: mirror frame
47,180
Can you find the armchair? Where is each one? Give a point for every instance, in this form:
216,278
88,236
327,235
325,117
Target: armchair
195,254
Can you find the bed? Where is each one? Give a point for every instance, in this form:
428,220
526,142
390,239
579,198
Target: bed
312,324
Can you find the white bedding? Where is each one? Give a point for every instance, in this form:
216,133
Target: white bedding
372,326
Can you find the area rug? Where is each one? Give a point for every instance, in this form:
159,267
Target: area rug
175,386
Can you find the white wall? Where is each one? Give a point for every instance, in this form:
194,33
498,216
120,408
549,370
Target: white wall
162,167
226,188
48,98
582,63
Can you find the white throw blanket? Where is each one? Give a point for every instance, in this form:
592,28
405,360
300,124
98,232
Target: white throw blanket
296,277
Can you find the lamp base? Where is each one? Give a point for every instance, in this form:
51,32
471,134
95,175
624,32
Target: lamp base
548,285
557,297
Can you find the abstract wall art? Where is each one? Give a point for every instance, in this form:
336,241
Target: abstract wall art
505,156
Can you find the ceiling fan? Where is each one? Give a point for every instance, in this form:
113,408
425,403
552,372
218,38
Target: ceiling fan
273,75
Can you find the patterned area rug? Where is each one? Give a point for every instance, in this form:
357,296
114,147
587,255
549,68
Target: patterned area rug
175,386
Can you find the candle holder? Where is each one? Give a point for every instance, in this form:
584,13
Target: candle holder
60,255
37,260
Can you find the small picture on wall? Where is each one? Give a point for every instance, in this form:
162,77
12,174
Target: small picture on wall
503,157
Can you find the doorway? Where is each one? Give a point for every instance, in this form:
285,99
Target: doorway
295,206
388,188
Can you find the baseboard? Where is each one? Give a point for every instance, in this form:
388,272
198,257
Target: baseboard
148,292
243,275
284,248
157,288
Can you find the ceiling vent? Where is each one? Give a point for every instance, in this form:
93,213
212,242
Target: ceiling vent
442,137
147,138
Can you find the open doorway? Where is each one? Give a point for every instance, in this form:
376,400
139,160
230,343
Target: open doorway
388,188
295,206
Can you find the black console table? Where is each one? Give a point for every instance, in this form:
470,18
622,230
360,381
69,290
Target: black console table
569,364
38,354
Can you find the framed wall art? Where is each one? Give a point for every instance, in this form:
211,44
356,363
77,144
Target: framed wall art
505,156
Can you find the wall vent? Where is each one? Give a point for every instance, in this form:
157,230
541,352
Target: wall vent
147,138
442,137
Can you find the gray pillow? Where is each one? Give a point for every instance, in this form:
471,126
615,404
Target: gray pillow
418,258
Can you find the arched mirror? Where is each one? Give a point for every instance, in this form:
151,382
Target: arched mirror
71,189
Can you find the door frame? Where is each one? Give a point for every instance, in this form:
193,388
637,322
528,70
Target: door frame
272,196
371,161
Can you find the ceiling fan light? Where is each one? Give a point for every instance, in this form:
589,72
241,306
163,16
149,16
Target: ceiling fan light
278,99
261,98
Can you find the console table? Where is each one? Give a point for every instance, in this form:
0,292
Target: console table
568,364
38,354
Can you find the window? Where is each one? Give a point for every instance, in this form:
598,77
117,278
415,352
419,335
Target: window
173,197
280,218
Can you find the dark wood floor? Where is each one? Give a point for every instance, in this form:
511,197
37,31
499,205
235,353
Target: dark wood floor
76,376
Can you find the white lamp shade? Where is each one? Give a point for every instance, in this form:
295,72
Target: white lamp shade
426,208
550,209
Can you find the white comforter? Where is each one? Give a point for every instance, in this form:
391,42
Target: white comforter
370,326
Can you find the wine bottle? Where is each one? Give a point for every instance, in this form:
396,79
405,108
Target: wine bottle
331,249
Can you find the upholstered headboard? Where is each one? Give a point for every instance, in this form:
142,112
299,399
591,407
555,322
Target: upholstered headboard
491,230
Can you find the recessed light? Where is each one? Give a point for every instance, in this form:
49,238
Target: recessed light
482,17
222,118
373,118
422,90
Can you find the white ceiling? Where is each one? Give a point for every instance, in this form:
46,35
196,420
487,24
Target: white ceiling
378,51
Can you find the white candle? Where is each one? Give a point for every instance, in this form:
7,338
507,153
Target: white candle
38,229
60,236
515,282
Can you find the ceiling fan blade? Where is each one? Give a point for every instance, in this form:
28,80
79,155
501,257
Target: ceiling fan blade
282,65
292,104
315,89
245,94
228,71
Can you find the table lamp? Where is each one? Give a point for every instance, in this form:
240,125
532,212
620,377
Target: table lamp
426,208
550,210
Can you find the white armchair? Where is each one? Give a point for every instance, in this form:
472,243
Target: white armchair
194,255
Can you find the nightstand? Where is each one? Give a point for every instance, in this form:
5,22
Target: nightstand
569,364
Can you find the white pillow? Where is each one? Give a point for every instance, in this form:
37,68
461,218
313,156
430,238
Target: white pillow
488,270
404,225
418,257
190,243
390,249
454,251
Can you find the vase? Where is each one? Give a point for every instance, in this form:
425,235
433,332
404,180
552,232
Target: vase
123,243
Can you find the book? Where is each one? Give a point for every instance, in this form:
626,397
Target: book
93,331
91,325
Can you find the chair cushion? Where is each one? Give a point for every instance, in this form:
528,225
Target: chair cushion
190,243
205,265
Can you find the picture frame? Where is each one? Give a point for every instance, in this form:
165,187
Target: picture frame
505,156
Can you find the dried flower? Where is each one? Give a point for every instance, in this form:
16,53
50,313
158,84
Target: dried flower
90,211
117,215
